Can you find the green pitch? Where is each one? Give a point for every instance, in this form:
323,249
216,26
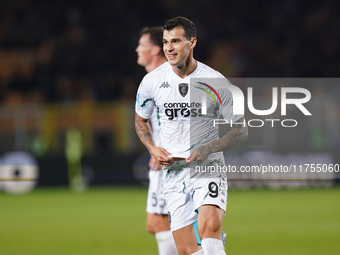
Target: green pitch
111,220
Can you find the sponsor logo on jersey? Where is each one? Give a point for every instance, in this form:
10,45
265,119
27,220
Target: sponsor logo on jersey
174,110
183,89
165,85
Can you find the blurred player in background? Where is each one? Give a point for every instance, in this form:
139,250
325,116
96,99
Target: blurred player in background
150,55
161,90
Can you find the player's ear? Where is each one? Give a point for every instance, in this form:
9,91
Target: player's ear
193,42
156,50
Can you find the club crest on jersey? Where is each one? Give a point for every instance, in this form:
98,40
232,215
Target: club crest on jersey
183,89
165,85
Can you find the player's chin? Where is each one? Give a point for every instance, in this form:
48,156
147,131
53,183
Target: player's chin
140,62
173,62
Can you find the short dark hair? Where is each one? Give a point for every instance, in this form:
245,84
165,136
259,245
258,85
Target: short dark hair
188,26
156,35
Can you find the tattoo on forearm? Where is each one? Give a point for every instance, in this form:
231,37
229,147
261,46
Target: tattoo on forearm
202,153
143,131
235,136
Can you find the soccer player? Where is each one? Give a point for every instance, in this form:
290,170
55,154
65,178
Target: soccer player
168,90
150,55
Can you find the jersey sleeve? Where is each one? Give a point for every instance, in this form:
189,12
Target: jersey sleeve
227,106
145,103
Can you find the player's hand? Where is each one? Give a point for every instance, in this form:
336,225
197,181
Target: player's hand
199,154
161,155
154,164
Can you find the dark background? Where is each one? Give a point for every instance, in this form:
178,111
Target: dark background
58,55
85,49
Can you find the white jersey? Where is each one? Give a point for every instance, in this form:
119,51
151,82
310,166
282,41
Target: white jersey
155,128
179,109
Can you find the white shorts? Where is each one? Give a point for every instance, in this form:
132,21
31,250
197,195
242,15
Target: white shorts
156,202
184,195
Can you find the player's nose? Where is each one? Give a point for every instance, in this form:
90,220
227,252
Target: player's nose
169,47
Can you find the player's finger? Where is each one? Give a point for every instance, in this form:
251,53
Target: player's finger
165,152
163,158
166,158
192,157
169,161
165,163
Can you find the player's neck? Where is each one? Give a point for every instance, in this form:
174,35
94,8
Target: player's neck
185,69
156,62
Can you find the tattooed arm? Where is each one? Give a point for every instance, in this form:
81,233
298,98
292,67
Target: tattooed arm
143,131
237,135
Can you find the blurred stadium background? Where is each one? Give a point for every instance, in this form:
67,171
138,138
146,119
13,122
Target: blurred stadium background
68,79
